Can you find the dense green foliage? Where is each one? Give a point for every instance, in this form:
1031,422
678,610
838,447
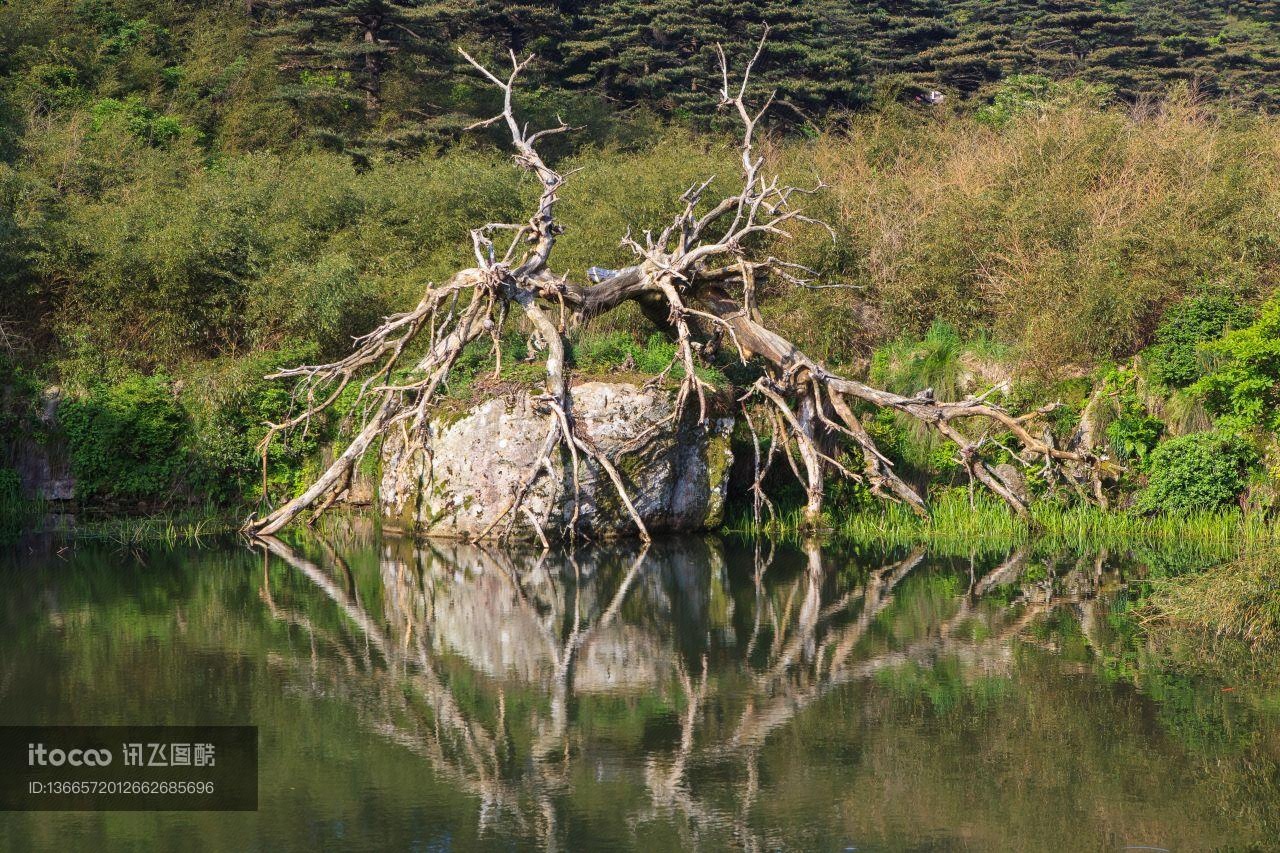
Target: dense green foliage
230,404
937,361
1197,473
661,53
1242,385
125,440
382,75
1036,94
944,361
1133,435
196,262
1175,359
205,192
1135,46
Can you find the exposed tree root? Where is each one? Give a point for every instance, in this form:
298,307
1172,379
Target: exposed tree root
691,270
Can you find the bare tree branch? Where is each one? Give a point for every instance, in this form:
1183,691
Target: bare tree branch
702,271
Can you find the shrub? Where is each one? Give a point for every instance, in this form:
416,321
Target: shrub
231,403
139,119
1066,238
1202,471
1244,384
923,453
125,440
258,252
1133,435
1174,359
1022,94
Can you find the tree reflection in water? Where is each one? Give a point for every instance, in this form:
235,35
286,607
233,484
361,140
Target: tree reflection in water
529,636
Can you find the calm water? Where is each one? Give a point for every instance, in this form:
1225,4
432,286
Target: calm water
701,695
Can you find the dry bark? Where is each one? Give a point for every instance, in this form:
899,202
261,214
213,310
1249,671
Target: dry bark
699,275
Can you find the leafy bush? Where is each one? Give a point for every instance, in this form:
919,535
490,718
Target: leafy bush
936,219
1202,471
258,252
1243,387
1020,94
231,404
125,440
140,120
1133,435
1174,359
920,452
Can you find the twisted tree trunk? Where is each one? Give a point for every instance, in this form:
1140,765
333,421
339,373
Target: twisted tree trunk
699,273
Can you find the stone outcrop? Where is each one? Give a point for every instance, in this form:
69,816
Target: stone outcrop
676,476
44,471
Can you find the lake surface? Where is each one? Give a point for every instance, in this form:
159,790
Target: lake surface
700,694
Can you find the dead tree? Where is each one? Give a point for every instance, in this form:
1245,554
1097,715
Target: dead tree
702,270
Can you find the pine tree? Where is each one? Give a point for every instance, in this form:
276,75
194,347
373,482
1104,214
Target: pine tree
895,33
523,26
335,56
662,52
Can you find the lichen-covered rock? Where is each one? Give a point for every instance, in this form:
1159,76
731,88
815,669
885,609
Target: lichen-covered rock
676,476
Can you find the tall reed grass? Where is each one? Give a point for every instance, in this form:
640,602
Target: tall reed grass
955,525
1239,599
188,528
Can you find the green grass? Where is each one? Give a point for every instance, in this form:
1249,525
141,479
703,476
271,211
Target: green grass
937,361
18,514
188,528
955,526
1239,599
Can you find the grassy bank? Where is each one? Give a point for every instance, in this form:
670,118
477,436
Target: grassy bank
187,527
1239,599
954,527
986,525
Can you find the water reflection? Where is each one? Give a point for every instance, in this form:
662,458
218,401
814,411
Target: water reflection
700,694
531,636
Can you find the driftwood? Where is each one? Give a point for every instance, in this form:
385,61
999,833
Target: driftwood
699,274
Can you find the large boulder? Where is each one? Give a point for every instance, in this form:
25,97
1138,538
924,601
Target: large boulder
676,476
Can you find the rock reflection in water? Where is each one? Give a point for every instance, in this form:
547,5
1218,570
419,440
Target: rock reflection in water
534,633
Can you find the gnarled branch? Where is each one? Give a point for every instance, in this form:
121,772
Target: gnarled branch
701,271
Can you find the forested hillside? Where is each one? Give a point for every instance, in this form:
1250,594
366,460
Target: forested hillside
370,75
193,193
